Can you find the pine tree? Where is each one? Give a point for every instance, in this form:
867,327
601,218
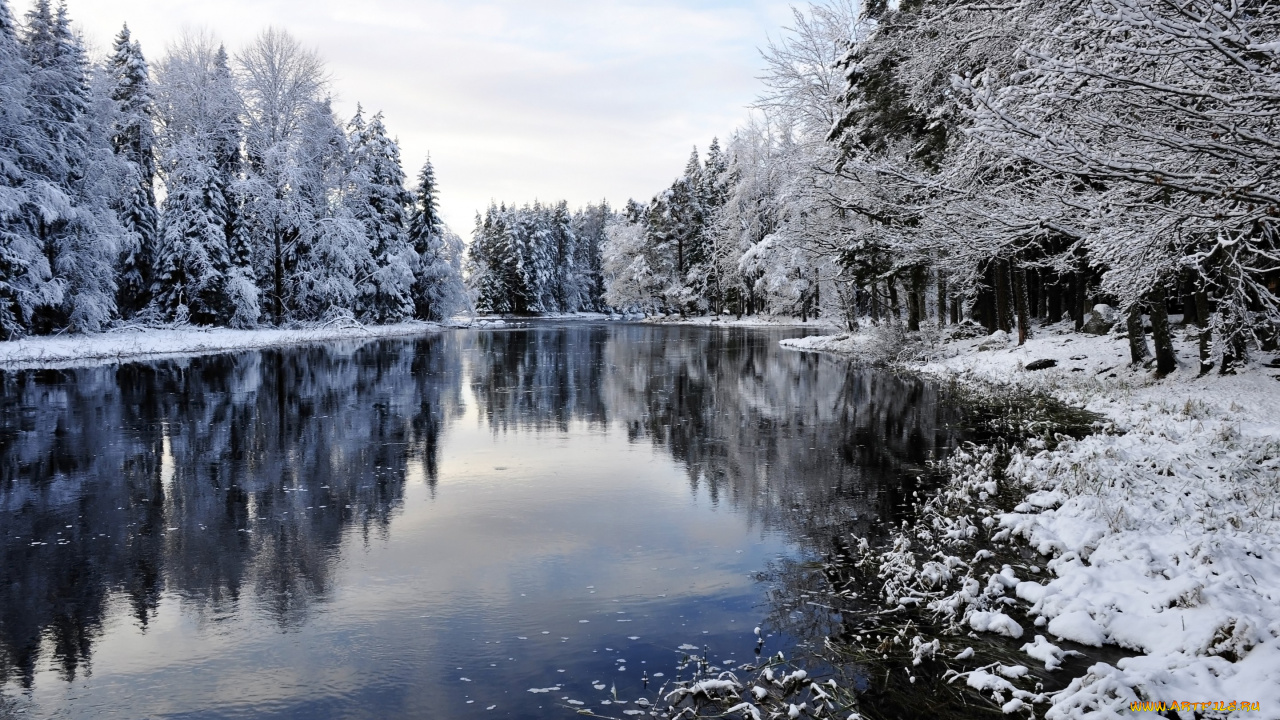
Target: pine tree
226,139
132,136
80,241
589,225
380,202
437,281
193,260
491,264
194,276
562,251
26,280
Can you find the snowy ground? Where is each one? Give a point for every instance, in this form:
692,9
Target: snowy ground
133,344
1160,534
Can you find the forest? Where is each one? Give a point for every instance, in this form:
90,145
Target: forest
208,189
928,163
922,164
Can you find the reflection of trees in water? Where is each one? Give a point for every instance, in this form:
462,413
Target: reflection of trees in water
231,480
800,441
210,479
539,378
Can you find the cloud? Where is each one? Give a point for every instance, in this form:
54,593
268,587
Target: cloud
514,101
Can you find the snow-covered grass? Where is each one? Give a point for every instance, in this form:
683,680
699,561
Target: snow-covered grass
1160,533
138,343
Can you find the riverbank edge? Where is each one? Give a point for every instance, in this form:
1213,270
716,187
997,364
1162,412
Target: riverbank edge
137,343
134,344
1155,531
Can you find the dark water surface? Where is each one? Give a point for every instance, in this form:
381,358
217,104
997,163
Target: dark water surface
426,527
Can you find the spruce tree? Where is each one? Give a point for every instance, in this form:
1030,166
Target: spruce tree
589,225
226,138
437,288
25,276
79,240
195,277
380,203
133,139
193,260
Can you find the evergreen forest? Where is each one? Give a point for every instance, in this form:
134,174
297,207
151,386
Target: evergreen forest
921,163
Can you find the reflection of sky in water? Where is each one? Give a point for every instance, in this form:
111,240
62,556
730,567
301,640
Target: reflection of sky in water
475,546
580,526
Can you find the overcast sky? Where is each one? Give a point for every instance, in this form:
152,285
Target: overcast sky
514,100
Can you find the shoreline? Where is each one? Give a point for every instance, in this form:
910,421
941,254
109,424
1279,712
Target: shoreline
137,344
132,344
1159,533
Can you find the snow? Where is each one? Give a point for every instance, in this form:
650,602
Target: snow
134,344
1046,652
1161,530
1078,626
714,687
996,622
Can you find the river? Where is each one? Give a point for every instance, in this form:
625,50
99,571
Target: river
432,526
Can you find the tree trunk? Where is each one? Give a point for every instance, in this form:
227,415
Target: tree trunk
1206,335
1234,351
1082,299
1053,299
920,285
985,302
1035,294
955,309
942,300
816,296
278,277
1166,360
1003,319
1138,350
1022,305
915,293
1189,311
894,307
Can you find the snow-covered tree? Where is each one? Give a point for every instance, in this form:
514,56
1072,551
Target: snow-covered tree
590,226
133,136
438,290
378,200
537,258
331,252
198,275
628,260
80,238
281,83
27,197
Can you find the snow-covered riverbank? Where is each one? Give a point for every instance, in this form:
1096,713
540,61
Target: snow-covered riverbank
134,344
1159,534
137,343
